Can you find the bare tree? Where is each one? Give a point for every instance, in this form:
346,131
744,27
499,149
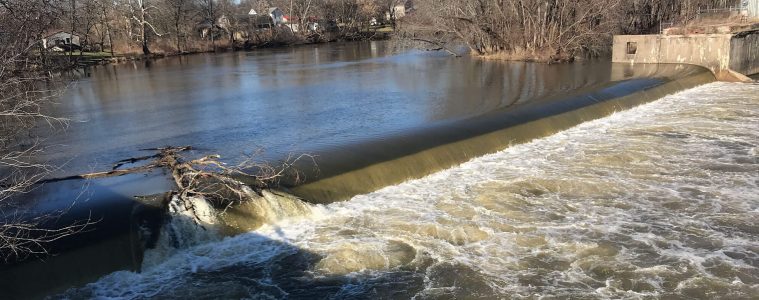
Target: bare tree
26,86
554,30
649,16
519,29
179,14
140,13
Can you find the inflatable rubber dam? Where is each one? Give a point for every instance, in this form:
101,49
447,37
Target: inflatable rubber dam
131,231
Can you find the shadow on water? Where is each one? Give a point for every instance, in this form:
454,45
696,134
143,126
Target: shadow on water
109,242
260,267
286,272
248,265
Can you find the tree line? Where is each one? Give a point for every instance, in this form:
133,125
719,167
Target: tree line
544,30
133,26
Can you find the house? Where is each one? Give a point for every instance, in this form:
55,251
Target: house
277,15
61,40
204,28
293,27
262,21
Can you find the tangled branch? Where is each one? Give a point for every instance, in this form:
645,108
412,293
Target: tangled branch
220,184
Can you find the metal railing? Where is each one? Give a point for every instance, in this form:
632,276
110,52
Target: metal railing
743,9
716,10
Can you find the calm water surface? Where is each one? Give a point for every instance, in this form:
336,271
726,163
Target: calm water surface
303,99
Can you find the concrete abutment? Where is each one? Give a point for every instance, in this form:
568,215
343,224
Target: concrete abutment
730,56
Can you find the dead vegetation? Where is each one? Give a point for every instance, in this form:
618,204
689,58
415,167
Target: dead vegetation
28,83
218,183
546,31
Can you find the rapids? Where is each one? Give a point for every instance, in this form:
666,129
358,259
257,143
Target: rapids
660,201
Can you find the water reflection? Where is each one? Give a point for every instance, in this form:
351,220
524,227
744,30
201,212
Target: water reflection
293,99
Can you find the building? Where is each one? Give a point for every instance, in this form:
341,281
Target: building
277,16
262,21
62,40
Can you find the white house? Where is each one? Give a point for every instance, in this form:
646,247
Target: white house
61,39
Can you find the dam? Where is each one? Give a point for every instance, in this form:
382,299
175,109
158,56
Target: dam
437,178
730,52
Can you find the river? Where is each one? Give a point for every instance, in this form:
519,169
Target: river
276,101
658,201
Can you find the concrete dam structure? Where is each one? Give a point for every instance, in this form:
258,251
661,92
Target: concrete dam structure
729,55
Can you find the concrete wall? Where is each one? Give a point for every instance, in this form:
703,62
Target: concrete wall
744,53
707,50
717,52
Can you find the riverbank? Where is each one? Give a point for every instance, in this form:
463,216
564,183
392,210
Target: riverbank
78,59
547,56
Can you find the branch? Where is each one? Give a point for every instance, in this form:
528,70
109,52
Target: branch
439,46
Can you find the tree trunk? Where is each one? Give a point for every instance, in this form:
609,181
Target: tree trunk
213,26
145,48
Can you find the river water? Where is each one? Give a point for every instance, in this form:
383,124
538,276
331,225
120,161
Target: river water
660,201
313,99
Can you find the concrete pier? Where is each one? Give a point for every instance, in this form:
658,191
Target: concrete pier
730,56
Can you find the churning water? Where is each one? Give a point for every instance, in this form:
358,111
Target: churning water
660,201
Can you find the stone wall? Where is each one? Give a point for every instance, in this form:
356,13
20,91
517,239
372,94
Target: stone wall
744,53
